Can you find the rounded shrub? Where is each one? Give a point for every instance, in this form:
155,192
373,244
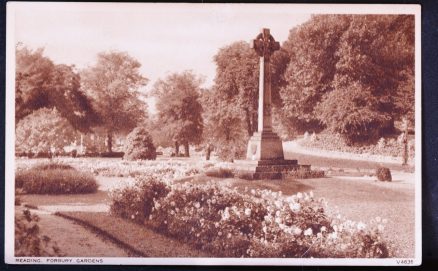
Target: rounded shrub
54,178
136,202
139,145
383,174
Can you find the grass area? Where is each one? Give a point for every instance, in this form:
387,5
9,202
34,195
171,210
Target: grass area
79,199
147,242
76,241
317,161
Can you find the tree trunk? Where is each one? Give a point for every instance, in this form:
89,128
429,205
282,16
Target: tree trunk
186,149
405,141
176,148
207,156
109,142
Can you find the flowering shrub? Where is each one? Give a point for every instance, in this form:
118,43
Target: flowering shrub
257,223
136,202
28,241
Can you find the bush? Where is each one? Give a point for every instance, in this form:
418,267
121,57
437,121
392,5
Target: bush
261,223
111,154
28,242
304,173
136,202
383,174
220,173
139,145
41,131
53,178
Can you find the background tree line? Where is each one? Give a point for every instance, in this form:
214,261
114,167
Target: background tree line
347,74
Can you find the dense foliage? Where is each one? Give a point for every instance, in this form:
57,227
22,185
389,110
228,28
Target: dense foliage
28,240
39,83
53,178
384,146
351,74
257,223
139,145
113,85
230,106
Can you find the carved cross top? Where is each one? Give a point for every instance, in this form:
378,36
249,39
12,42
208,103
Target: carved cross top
264,44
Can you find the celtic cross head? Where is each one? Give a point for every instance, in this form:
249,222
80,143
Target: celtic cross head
264,44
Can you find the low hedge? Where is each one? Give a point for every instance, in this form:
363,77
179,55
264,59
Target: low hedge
220,173
54,178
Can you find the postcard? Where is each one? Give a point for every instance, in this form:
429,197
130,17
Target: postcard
213,134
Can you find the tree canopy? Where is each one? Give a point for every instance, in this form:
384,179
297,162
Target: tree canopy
179,108
39,83
113,85
352,74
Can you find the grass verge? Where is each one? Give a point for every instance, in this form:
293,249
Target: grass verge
136,239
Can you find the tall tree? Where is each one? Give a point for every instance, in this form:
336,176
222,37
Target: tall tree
224,129
179,108
376,57
312,67
39,83
237,79
113,85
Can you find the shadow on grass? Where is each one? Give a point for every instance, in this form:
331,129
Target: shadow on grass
37,199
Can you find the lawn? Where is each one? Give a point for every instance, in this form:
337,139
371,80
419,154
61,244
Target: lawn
145,242
356,199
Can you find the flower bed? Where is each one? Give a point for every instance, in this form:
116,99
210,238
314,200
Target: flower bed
259,223
120,168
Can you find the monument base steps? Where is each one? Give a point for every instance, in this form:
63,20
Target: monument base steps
267,169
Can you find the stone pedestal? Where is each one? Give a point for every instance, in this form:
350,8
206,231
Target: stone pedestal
265,146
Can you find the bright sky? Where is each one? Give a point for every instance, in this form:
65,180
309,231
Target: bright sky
165,38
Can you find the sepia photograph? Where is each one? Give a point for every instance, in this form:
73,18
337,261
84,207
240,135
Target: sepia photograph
213,134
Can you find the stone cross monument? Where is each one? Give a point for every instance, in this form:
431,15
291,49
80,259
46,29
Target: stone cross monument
265,144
